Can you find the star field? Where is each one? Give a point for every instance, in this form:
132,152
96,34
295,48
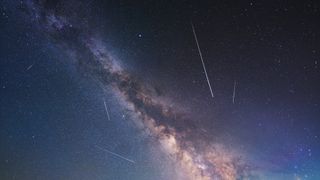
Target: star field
117,90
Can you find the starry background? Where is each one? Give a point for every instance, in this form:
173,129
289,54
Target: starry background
52,115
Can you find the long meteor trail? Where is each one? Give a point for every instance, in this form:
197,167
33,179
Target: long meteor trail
115,154
200,54
106,108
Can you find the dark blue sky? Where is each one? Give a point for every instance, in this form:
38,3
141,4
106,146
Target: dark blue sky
52,111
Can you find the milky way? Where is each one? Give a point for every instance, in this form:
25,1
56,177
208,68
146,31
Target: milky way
193,153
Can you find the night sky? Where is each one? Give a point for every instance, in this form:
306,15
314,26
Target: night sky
116,90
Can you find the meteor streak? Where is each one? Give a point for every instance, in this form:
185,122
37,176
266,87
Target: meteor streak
200,54
106,108
115,154
29,67
234,91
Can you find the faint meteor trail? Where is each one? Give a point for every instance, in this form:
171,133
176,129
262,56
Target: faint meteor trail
234,91
29,67
115,154
200,54
106,108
